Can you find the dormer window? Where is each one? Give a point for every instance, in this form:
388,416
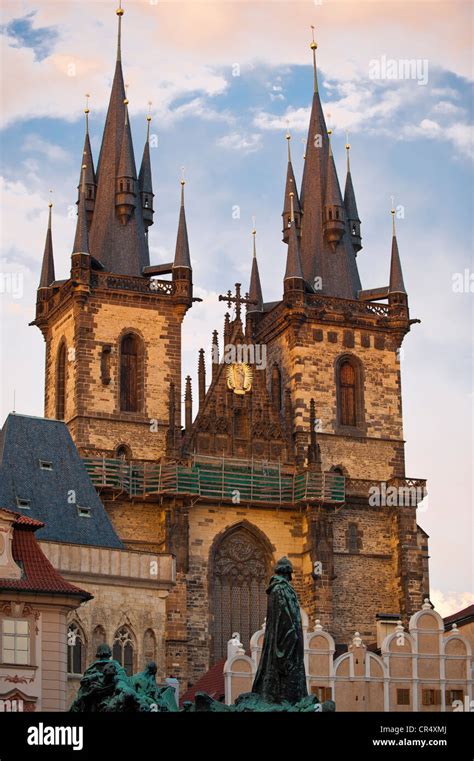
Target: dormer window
24,504
83,512
45,465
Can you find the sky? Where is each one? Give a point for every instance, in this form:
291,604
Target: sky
226,80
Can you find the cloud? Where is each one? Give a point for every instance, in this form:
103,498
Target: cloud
36,144
447,603
461,136
244,143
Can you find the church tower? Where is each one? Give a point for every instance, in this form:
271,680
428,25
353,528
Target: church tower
113,328
335,349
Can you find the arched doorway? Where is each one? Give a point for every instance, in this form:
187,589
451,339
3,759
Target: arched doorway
240,568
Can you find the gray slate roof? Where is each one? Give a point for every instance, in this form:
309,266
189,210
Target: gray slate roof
24,441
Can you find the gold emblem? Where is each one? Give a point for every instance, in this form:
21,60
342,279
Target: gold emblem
239,378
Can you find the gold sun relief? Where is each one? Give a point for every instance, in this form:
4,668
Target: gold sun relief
239,378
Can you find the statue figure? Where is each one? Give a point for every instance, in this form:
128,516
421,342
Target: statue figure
159,698
99,682
106,687
281,674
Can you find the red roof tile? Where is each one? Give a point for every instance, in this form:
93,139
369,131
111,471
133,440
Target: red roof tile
23,520
461,614
38,573
211,682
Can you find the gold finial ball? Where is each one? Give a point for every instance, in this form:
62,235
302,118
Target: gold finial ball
183,182
126,102
291,194
86,111
329,132
84,166
120,11
50,205
314,45
148,118
347,146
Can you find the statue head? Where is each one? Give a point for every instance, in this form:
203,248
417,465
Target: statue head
151,668
103,652
284,568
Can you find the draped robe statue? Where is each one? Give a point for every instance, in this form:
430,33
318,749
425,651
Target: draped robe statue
281,673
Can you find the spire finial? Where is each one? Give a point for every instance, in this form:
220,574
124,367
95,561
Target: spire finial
394,232
348,147
288,138
119,13
87,111
314,47
183,183
328,115
254,234
303,140
148,121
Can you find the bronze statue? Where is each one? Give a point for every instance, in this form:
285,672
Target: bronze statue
105,687
281,674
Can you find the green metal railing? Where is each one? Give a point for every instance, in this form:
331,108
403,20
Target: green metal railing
217,478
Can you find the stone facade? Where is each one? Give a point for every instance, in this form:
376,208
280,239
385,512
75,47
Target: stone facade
129,593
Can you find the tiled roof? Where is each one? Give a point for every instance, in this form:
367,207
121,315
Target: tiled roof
465,613
24,441
212,683
38,574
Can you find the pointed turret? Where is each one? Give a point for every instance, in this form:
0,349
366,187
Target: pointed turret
188,405
334,225
47,268
396,285
145,185
118,240
333,274
81,239
181,257
294,273
290,187
255,288
125,190
352,215
201,378
90,179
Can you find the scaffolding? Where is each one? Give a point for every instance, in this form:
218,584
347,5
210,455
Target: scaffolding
217,478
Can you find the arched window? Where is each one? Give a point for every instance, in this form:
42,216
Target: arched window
347,380
240,570
123,649
276,387
349,392
61,382
76,649
123,452
149,646
129,373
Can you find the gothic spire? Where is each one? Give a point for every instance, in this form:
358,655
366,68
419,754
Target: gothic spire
122,248
145,185
334,273
290,187
255,288
294,270
90,178
47,268
396,276
81,240
181,257
353,221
